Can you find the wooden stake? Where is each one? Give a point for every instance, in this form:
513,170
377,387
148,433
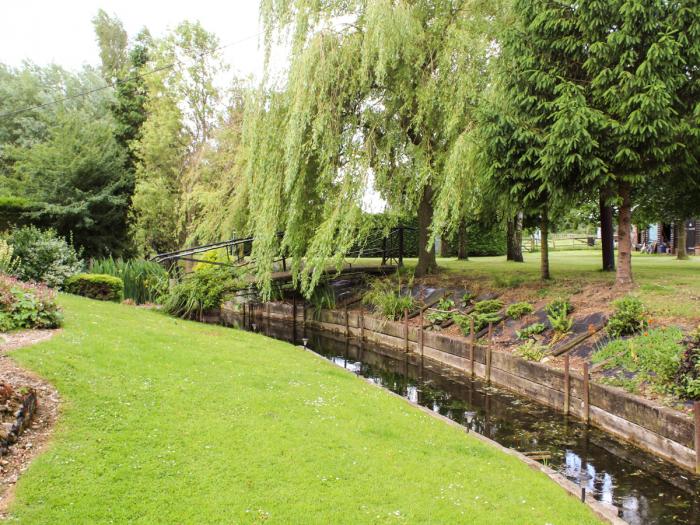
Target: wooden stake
488,354
421,333
347,323
566,384
696,411
471,344
586,394
405,328
361,320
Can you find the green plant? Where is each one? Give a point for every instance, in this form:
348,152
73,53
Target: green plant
532,351
481,321
96,286
652,357
388,299
467,299
518,310
8,262
438,317
144,281
629,317
43,256
529,331
488,306
201,291
322,298
560,321
445,304
27,305
559,307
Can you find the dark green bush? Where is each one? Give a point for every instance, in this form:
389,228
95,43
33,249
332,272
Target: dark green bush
387,298
488,306
144,281
98,286
43,256
12,212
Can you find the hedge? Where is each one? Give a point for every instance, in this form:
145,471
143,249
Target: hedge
96,286
13,212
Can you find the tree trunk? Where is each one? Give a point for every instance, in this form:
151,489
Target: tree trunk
426,254
624,242
681,240
607,233
462,241
514,241
544,245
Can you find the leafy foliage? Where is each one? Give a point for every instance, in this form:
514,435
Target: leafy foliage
518,310
8,262
652,358
202,291
630,317
531,330
488,306
388,299
98,286
481,321
24,305
687,376
532,351
144,281
44,256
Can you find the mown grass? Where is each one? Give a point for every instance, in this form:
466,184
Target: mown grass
168,421
669,287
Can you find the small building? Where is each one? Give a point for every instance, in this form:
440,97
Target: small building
666,234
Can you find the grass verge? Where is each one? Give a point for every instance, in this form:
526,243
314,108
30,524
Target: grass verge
168,421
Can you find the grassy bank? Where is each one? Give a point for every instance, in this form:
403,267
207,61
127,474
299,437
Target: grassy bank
669,287
166,421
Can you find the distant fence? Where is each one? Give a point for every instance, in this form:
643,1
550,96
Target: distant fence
562,242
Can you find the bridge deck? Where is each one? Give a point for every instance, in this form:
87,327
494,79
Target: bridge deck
282,277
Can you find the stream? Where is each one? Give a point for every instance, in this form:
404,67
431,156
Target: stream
645,489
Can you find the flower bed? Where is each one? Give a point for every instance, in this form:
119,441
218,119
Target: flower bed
27,305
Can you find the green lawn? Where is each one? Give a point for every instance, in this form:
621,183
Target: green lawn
166,421
668,286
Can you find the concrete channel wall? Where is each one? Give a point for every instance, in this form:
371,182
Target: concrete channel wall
657,429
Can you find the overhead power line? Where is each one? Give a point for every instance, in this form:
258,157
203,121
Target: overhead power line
121,81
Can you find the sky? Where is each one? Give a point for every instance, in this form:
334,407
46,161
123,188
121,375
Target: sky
46,31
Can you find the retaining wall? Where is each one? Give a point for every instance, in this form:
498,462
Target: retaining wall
657,429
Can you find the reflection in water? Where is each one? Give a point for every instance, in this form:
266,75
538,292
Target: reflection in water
645,489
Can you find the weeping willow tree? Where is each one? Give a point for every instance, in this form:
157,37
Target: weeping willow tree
378,95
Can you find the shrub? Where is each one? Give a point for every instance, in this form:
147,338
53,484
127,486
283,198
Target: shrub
518,310
561,322
630,317
438,317
529,331
488,307
445,304
652,357
13,211
43,256
532,351
144,281
98,286
322,297
559,307
201,291
25,305
387,298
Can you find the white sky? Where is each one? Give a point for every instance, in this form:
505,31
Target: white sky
60,31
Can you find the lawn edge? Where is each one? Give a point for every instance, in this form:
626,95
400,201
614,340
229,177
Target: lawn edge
608,513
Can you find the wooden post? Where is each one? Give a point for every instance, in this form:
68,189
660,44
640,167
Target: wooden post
405,329
696,411
421,332
347,323
586,394
488,354
567,387
361,320
471,345
294,320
